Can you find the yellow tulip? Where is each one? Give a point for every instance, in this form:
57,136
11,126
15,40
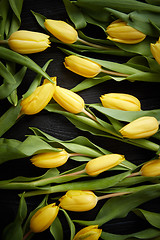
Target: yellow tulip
140,128
78,201
151,168
119,31
43,218
82,66
103,163
38,99
120,101
61,30
155,50
88,233
69,100
26,42
50,159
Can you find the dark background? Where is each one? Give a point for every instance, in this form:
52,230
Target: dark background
59,127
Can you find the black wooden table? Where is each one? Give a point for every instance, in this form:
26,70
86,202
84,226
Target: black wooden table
59,127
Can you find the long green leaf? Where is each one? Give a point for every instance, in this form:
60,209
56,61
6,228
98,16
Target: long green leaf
125,204
56,229
123,6
14,229
12,56
70,223
149,233
12,149
152,217
8,119
75,14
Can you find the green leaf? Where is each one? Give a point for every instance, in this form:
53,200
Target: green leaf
40,19
70,223
152,217
125,204
113,66
5,73
95,184
12,56
149,233
100,129
122,6
127,116
16,6
56,229
8,119
89,82
75,14
4,8
142,48
7,88
14,229
36,82
12,149
13,97
43,203
154,2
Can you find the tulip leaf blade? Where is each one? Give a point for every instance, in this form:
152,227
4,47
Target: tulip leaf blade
4,8
75,14
70,223
142,48
16,6
12,56
126,204
152,217
88,83
123,6
153,2
149,233
5,73
8,119
56,229
15,23
36,82
14,230
40,19
11,149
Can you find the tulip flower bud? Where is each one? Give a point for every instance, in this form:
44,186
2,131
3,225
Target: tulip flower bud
69,100
88,233
43,218
26,42
82,66
119,31
151,168
38,99
120,101
155,50
50,159
140,128
78,201
103,163
61,30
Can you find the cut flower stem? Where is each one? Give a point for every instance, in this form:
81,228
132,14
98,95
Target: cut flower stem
113,195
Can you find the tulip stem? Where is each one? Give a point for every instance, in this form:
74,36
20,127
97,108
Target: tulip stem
112,195
92,44
114,73
134,174
43,182
26,235
3,41
90,115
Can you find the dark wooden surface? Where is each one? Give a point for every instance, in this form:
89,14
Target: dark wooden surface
59,127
